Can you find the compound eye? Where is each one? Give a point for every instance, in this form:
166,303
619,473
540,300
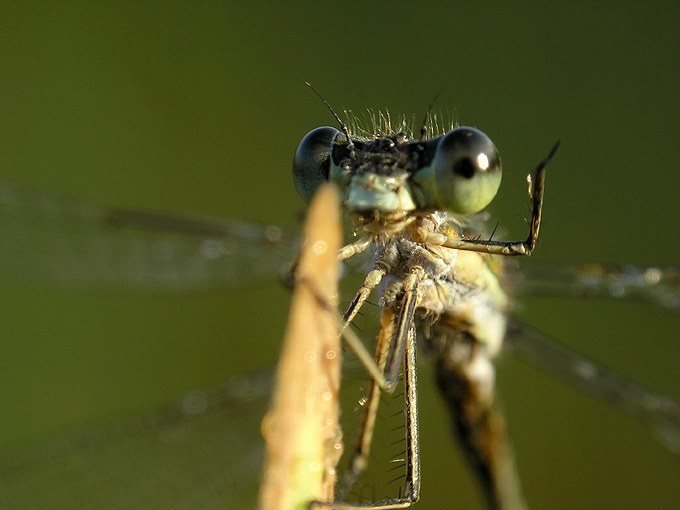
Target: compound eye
312,161
464,175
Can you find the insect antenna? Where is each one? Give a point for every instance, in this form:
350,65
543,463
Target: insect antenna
423,126
343,126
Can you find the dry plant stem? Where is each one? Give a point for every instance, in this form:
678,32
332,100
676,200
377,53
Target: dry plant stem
301,430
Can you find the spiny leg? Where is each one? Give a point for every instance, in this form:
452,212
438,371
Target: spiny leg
421,234
347,251
364,435
412,482
404,324
395,349
381,267
358,246
412,491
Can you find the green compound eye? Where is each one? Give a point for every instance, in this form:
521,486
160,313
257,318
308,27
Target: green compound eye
312,161
464,174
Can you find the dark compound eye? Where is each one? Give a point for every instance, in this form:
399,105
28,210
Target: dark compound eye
312,161
464,175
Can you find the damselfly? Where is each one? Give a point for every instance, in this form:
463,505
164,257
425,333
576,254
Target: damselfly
437,290
441,287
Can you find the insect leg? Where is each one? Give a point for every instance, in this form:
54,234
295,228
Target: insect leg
362,443
421,234
395,349
412,487
384,264
354,248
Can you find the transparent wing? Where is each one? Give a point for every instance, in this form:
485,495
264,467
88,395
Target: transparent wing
49,238
201,452
658,411
656,285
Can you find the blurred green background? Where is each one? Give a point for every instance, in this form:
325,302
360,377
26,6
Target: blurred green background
197,107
